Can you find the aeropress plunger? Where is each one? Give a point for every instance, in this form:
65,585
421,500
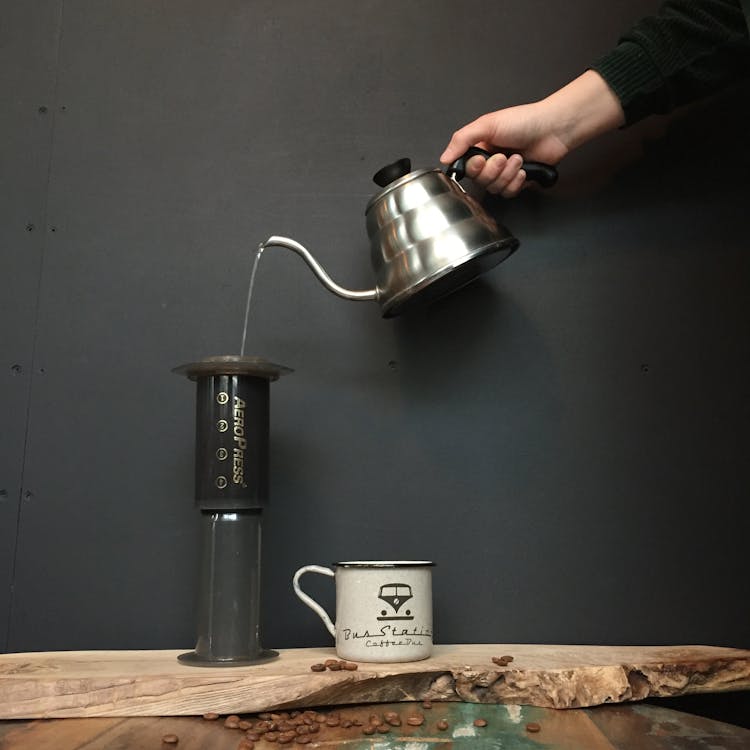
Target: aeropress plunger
231,490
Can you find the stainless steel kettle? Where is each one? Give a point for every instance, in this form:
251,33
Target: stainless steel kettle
428,237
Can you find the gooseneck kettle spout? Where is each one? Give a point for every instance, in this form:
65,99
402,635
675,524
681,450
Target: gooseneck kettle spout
318,270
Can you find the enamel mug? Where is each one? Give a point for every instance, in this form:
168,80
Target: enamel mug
383,608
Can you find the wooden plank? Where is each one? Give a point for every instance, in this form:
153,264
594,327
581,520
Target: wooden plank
154,683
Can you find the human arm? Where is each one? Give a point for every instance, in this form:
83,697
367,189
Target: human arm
689,49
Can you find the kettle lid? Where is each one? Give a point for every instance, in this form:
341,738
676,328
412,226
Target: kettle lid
392,172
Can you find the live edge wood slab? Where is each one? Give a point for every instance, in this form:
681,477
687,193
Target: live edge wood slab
153,683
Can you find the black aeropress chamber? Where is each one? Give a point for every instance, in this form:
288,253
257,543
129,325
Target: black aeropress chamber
231,490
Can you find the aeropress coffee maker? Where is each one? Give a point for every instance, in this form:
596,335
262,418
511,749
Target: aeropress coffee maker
231,491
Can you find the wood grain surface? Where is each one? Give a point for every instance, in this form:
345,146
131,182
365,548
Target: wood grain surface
621,727
154,683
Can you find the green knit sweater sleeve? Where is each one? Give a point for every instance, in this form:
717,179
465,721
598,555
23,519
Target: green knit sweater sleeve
689,49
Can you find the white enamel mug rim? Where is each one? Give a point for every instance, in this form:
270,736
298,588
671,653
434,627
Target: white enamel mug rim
384,564
376,564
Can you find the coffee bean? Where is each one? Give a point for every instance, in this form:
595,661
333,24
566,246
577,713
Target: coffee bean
231,723
245,725
320,718
442,725
170,739
318,668
507,659
210,716
252,736
329,662
427,704
265,716
271,736
415,721
383,728
480,722
303,739
346,723
375,720
369,729
358,722
532,726
332,721
335,666
350,666
394,721
246,745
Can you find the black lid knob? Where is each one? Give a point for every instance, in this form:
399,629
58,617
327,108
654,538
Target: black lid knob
392,172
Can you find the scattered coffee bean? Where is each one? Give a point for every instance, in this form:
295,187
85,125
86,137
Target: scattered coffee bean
335,667
170,739
350,666
346,723
329,662
318,668
369,729
246,745
532,726
303,739
232,722
252,736
415,721
320,719
427,704
442,725
383,728
271,736
332,721
245,725
375,720
265,716
210,716
480,722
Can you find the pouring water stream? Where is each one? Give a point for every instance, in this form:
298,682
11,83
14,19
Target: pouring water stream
258,253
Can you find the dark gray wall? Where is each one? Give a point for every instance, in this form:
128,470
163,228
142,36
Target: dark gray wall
568,438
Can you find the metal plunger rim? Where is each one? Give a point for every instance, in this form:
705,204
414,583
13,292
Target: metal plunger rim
233,364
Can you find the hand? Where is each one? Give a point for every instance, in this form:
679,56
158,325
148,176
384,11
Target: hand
544,131
525,128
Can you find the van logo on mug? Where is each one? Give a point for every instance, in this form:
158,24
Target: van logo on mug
395,595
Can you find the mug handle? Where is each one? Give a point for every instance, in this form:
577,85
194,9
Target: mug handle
309,600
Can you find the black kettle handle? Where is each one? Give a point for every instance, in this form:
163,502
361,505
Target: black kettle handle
543,174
